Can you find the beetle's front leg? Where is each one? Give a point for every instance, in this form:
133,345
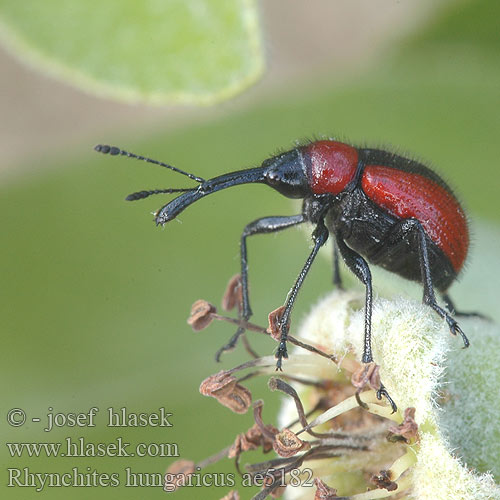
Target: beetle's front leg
320,235
260,226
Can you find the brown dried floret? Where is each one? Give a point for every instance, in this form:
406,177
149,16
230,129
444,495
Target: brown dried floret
233,295
274,318
323,491
177,474
407,430
367,375
252,439
287,444
383,481
201,315
224,387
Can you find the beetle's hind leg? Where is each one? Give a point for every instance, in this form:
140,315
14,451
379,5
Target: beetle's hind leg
453,310
260,226
429,295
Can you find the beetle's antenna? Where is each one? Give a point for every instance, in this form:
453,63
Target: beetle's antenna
113,150
139,195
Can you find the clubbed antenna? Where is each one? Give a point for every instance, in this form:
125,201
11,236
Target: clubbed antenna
144,194
113,150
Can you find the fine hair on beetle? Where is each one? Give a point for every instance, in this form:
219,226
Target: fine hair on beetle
379,208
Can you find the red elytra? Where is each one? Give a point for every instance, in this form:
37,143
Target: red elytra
406,195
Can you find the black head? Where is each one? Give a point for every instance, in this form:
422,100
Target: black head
287,174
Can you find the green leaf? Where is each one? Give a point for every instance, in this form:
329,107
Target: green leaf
471,23
176,51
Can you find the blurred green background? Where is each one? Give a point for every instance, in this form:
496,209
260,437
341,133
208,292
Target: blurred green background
95,298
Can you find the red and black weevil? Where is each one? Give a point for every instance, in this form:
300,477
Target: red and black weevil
390,210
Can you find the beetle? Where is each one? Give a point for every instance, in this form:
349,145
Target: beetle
379,207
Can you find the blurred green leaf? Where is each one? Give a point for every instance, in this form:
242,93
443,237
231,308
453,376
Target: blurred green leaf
177,51
472,23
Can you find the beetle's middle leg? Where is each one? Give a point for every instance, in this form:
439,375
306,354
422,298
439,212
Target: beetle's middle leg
260,226
360,268
337,279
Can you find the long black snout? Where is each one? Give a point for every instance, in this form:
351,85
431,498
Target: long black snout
172,209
